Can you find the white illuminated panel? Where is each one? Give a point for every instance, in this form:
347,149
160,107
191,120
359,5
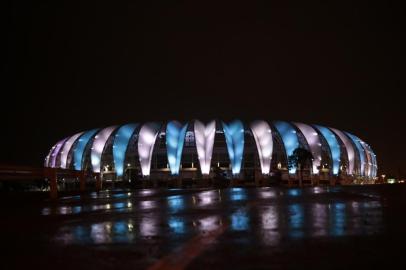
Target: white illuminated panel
98,145
368,160
374,165
48,158
263,139
313,140
56,152
370,166
66,148
350,149
204,136
146,142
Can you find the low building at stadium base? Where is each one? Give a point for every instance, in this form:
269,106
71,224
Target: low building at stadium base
216,150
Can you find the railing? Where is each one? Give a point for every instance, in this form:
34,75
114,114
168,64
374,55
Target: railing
20,173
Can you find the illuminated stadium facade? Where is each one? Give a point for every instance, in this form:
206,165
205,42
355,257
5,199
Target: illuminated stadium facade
198,150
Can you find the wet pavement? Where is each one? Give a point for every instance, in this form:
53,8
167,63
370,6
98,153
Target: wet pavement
356,227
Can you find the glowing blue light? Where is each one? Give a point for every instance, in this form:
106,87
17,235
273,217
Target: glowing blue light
294,192
177,225
360,149
119,205
289,138
239,221
238,194
77,209
80,148
120,146
339,219
175,138
234,134
119,195
120,227
296,221
176,202
333,145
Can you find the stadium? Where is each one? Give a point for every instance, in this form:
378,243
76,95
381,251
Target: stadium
225,151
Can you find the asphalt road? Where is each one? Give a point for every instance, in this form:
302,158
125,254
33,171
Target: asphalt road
358,227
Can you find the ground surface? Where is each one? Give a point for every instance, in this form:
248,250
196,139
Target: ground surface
361,227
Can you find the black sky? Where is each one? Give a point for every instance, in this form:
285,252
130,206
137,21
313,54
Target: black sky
74,65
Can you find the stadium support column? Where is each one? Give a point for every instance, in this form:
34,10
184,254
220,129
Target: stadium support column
53,186
98,182
82,181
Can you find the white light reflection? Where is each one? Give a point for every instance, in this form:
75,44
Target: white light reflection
267,194
46,211
209,223
147,204
146,192
148,227
318,190
100,233
320,214
269,221
63,210
206,198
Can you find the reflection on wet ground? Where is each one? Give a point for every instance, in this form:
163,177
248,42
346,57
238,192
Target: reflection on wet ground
162,220
268,214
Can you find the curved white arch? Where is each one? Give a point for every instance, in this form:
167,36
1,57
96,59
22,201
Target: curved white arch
56,152
48,157
374,169
263,139
146,142
98,145
66,148
313,140
204,136
370,170
368,163
349,147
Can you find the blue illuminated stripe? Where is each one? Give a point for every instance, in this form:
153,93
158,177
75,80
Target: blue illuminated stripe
333,145
175,137
289,138
120,145
360,149
80,147
234,134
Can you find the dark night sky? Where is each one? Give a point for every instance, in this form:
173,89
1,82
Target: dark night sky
75,65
